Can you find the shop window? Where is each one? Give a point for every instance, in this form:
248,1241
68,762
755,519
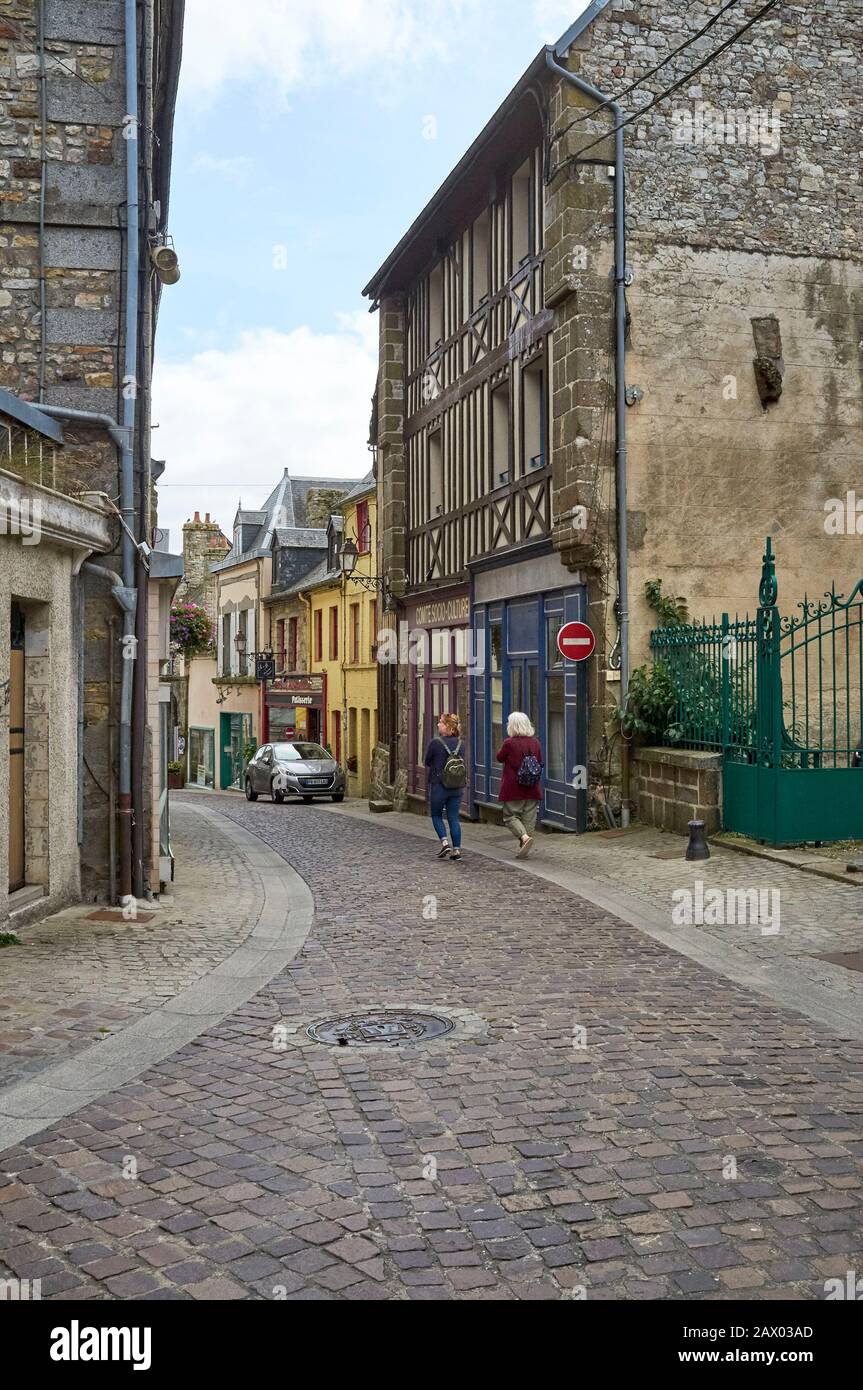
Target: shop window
500,430
440,649
556,728
522,629
554,657
495,643
420,704
534,409
522,216
435,474
319,635
480,248
334,634
202,757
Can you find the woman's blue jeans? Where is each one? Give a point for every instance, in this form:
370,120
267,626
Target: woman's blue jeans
445,802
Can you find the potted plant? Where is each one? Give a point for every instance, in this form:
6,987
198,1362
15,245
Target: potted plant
176,776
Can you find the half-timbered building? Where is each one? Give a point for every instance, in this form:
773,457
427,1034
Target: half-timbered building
618,345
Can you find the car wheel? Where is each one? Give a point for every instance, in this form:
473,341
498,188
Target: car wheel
250,795
339,797
308,800
278,796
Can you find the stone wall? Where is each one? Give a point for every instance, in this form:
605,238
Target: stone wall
203,545
672,787
84,330
732,224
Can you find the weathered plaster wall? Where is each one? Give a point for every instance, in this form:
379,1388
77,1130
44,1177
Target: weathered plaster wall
712,472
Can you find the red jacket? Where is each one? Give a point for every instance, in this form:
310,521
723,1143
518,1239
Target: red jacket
512,755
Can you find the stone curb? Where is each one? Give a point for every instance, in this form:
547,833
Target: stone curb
781,982
27,1107
788,858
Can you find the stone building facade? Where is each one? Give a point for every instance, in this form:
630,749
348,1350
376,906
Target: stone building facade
64,297
741,374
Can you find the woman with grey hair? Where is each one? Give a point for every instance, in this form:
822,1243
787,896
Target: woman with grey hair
520,786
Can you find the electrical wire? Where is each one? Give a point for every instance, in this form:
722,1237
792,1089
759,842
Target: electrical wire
669,91
651,72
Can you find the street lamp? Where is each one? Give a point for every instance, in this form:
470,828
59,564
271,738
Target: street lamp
348,557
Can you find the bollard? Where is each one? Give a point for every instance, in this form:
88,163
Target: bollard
697,847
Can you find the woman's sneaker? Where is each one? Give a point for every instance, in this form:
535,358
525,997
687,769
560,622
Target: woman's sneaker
455,857
443,851
525,847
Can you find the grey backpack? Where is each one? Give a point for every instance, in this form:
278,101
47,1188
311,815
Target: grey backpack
454,772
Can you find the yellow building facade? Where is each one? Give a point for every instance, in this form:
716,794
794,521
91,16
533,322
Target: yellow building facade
342,636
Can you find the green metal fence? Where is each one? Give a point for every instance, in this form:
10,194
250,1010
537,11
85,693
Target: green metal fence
780,698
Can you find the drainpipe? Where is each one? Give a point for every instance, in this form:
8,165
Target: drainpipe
123,436
124,590
619,387
43,179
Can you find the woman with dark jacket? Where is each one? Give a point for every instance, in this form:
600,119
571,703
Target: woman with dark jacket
445,800
520,787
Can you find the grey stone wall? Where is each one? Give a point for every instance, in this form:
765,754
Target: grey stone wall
85,200
675,786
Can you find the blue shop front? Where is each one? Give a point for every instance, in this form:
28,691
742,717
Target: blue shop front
517,610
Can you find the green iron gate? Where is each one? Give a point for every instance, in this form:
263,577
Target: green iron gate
780,698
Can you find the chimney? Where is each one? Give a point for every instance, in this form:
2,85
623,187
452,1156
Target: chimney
197,518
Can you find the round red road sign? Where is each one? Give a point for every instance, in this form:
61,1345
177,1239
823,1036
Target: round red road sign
576,641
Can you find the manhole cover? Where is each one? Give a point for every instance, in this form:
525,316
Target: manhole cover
381,1027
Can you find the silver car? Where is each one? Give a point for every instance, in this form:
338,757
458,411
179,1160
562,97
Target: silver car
281,770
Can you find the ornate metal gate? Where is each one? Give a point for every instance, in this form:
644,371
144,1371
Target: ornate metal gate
780,697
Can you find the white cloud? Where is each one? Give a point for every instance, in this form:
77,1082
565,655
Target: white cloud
230,169
553,17
285,42
231,420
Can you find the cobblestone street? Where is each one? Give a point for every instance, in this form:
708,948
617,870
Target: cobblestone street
76,979
606,1119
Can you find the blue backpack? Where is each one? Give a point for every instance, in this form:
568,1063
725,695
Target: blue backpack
530,771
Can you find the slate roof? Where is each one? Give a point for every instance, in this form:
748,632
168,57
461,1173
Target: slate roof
367,485
319,575
285,509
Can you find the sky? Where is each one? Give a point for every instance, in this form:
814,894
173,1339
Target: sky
309,134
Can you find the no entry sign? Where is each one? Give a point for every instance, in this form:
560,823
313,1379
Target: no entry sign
576,641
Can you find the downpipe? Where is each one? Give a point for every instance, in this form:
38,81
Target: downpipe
621,469
123,437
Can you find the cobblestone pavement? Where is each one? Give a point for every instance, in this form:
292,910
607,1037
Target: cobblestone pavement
72,981
693,1142
817,916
